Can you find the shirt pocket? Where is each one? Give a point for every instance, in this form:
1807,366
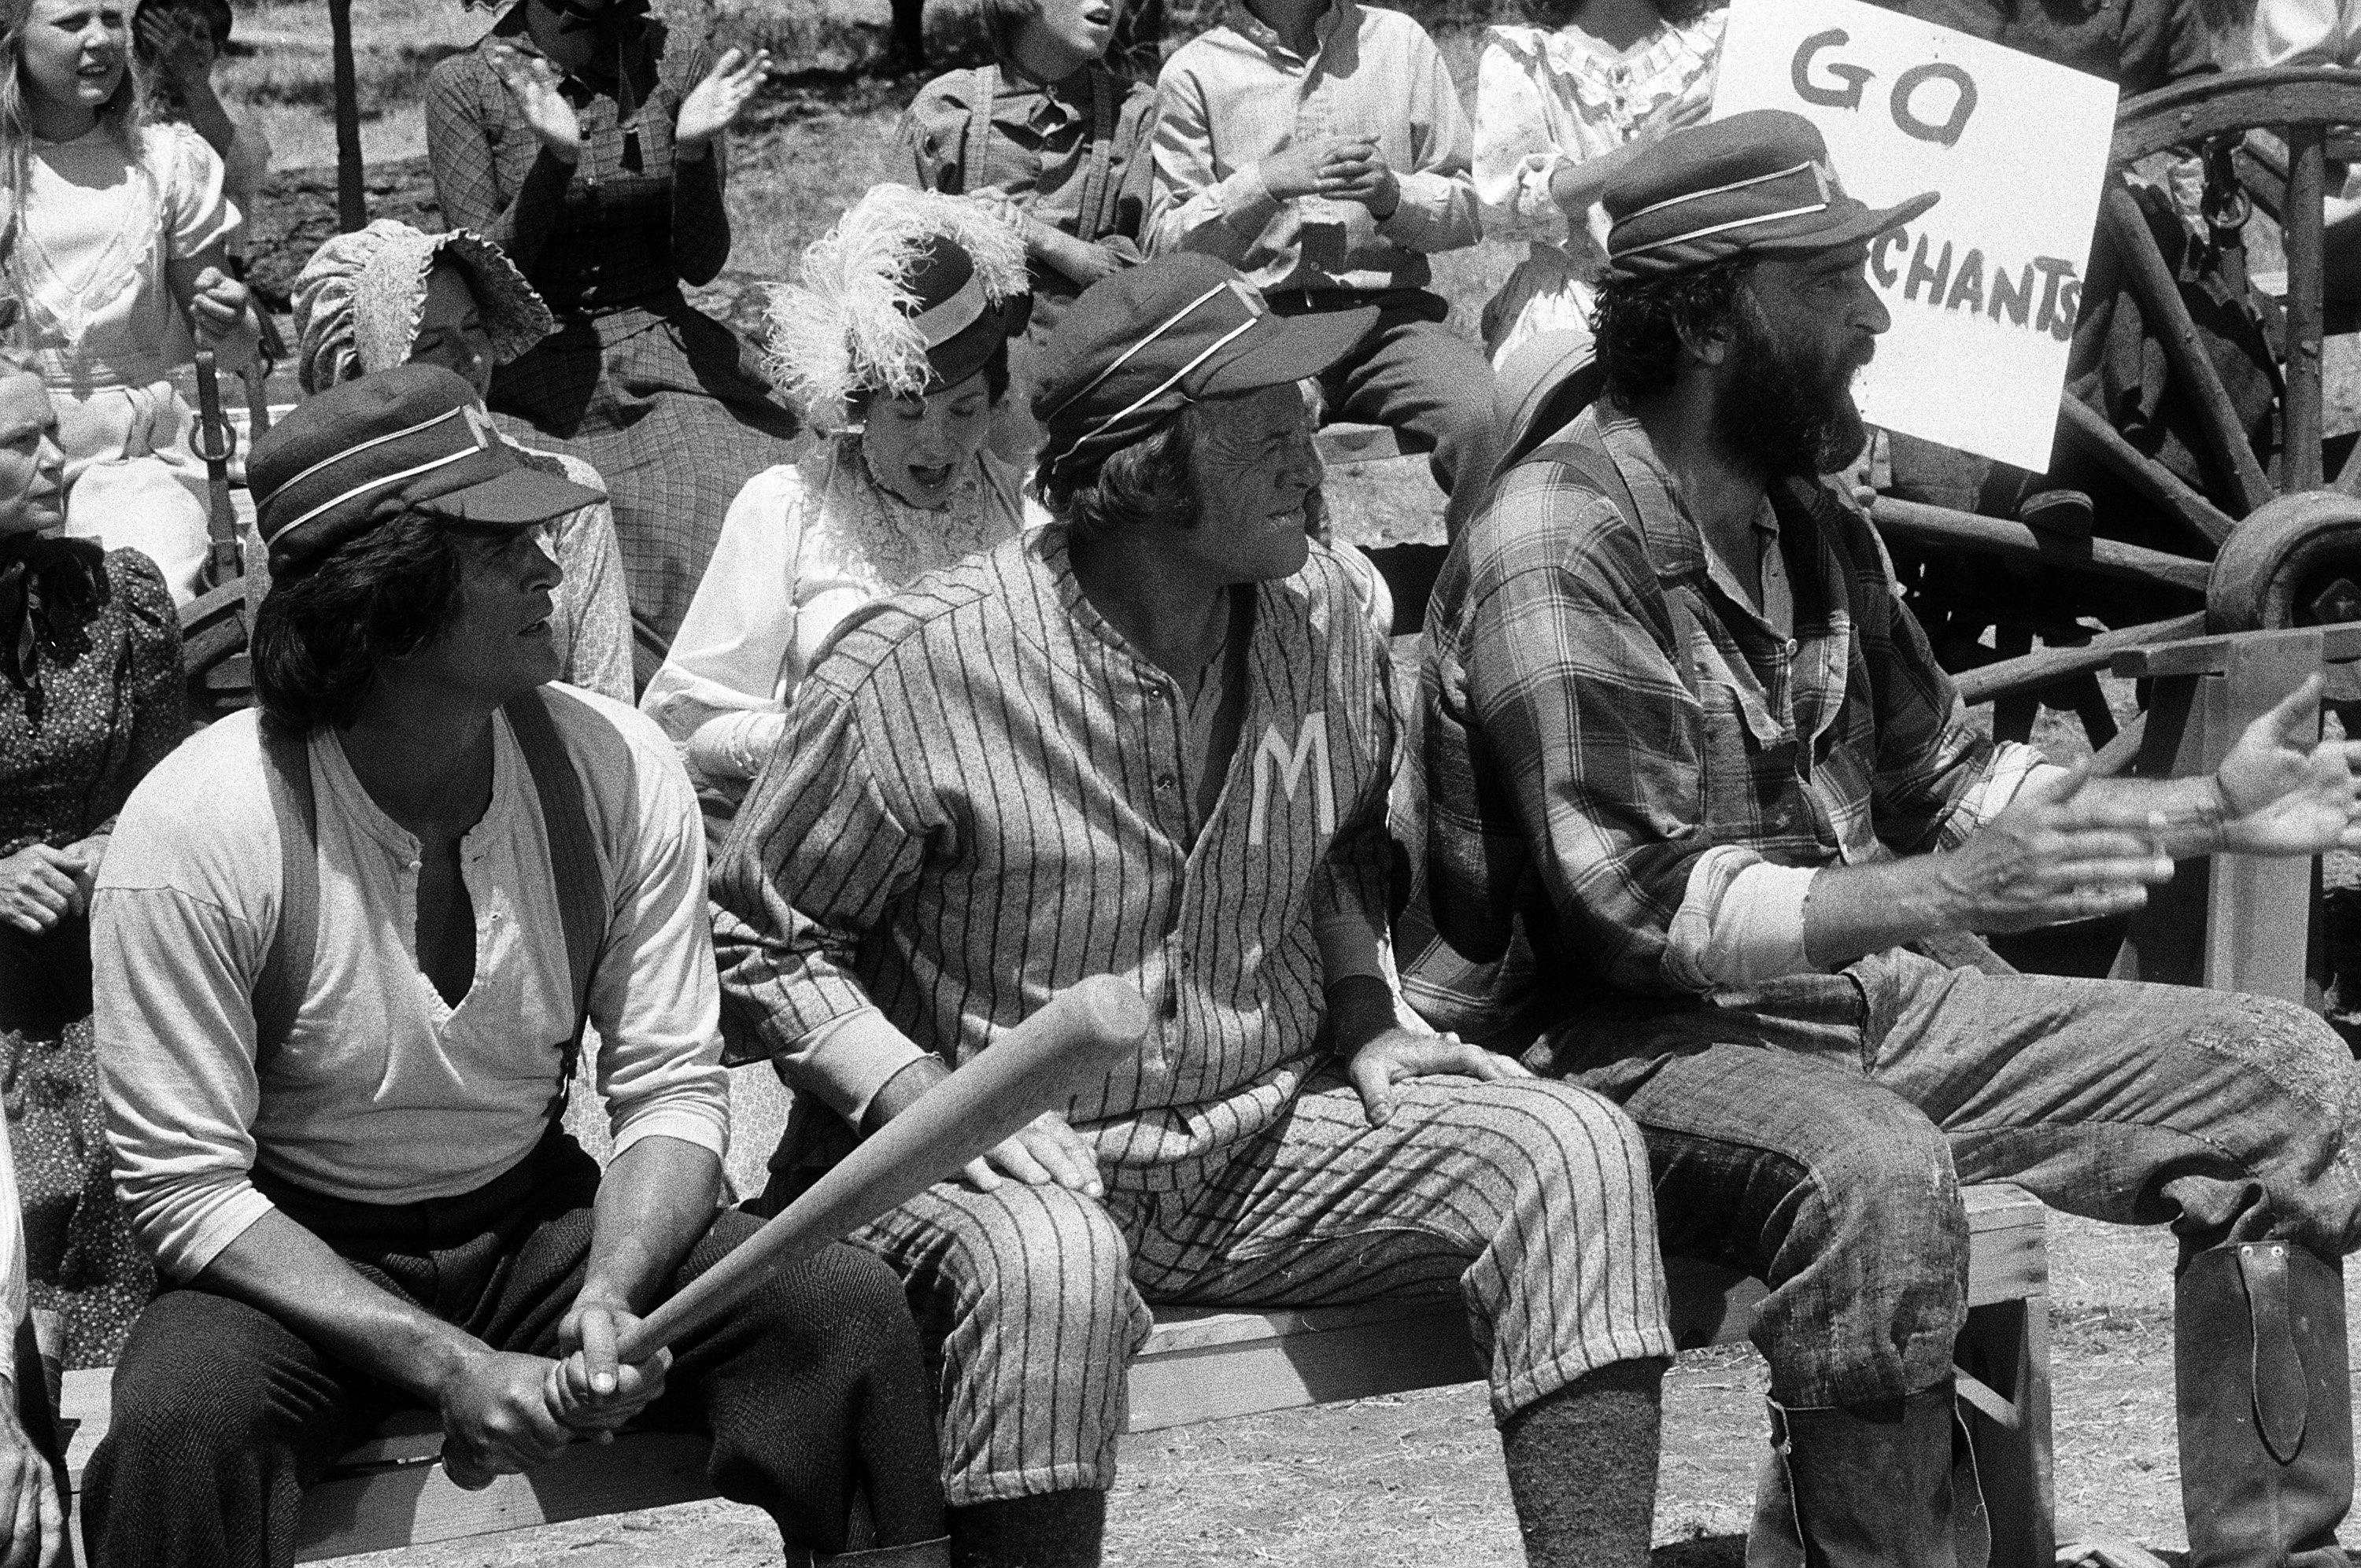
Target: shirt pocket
1747,784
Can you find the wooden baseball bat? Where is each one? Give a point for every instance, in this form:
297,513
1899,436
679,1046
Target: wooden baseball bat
1083,1032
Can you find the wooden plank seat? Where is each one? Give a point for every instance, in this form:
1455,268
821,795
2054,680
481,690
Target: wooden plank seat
1207,1366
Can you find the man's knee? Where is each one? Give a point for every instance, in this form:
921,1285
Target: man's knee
842,1307
1862,1236
205,1381
1032,1254
1581,1147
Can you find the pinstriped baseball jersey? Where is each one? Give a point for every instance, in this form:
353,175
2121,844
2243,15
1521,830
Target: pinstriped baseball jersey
983,798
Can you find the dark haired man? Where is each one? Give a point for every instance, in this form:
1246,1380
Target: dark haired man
1682,730
345,954
1154,740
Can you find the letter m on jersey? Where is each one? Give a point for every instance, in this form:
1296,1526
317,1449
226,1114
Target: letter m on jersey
1280,770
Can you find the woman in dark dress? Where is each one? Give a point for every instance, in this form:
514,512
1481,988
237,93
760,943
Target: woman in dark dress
90,699
586,142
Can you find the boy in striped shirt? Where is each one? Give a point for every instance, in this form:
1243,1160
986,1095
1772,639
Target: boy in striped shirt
1154,740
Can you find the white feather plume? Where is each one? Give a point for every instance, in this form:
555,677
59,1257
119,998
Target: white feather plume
841,328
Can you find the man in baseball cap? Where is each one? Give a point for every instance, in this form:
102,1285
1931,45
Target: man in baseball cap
349,946
1709,831
1154,739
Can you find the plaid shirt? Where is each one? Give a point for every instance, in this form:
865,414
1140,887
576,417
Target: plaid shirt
985,796
621,228
1236,95
1628,711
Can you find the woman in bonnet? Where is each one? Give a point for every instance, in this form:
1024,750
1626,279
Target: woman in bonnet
390,295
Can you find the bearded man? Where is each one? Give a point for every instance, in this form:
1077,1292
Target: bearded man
1691,762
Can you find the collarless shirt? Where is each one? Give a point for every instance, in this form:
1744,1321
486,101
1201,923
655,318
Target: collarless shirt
986,801
384,1093
1237,94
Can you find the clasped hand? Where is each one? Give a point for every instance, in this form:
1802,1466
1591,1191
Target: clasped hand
506,1413
41,884
1343,168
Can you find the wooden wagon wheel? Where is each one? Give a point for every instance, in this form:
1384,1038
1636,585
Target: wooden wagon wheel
2259,546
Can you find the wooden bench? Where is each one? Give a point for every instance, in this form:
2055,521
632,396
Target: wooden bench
1208,1365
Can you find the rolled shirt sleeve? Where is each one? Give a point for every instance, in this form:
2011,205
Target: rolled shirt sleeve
654,997
172,975
1197,207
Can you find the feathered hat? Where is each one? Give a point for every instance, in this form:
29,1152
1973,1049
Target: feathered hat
906,294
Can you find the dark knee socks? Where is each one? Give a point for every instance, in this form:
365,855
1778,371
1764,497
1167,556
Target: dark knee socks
1055,1529
1582,1468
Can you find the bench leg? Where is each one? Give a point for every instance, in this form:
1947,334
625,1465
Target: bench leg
2006,1347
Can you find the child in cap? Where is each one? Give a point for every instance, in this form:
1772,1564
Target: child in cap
1318,146
895,342
1058,143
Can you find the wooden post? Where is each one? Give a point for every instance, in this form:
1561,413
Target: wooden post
352,208
2235,922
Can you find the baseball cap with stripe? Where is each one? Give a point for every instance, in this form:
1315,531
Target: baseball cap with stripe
411,438
1755,182
1145,341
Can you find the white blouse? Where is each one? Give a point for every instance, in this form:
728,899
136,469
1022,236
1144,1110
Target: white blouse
803,545
1543,98
100,225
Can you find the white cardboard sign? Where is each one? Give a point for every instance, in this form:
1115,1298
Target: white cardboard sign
1984,287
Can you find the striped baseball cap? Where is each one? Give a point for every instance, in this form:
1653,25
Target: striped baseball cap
411,438
1143,342
1755,182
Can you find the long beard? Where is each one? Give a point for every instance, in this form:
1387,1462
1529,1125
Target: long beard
1787,412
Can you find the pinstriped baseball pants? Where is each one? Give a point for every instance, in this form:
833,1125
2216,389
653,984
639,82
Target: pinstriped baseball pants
1530,1198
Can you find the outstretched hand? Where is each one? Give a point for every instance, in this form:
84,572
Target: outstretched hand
1394,1055
2056,854
714,105
2284,793
532,85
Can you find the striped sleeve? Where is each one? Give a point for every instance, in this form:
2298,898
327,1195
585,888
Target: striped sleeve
817,857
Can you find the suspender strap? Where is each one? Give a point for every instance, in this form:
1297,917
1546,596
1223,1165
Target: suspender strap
572,856
287,964
1601,477
573,861
1092,217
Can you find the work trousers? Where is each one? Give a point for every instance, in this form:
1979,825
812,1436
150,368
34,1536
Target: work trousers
1530,1201
1417,376
811,1388
1817,1134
